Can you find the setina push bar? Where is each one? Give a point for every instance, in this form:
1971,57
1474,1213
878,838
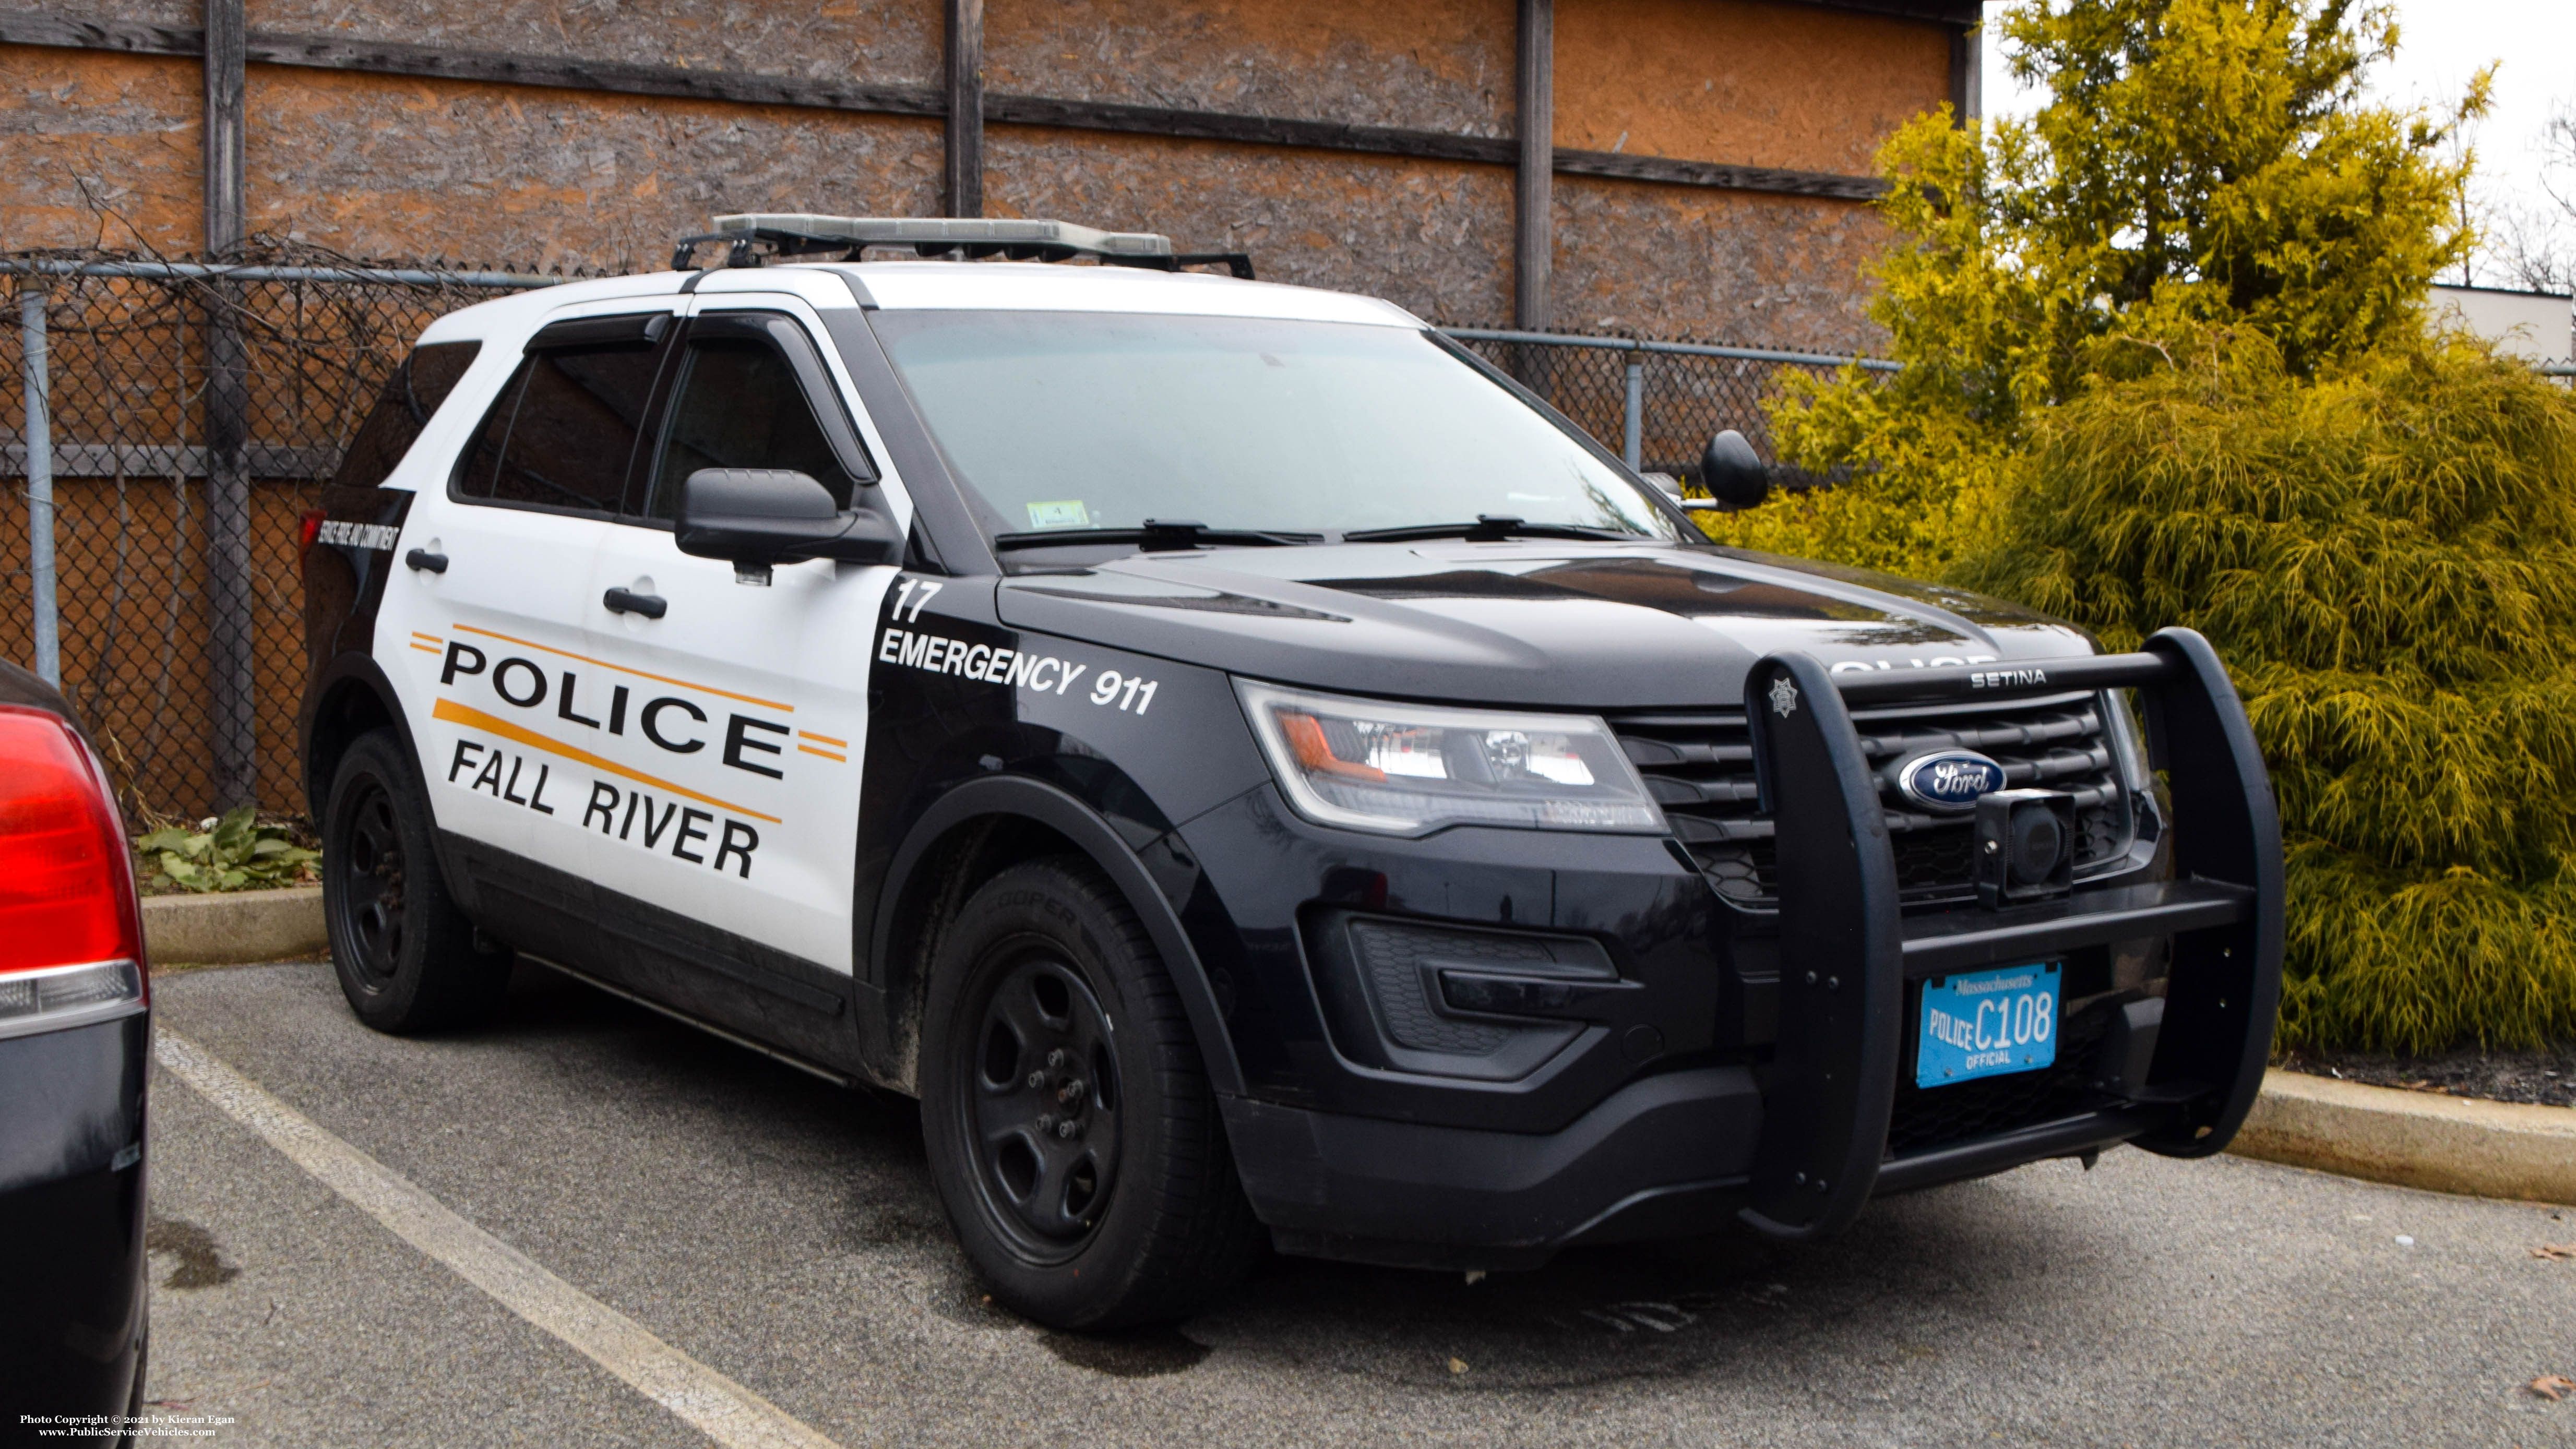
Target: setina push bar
1847,953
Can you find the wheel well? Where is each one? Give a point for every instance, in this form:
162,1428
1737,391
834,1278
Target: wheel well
351,709
967,855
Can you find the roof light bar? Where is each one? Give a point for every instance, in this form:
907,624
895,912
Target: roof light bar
793,234
1022,240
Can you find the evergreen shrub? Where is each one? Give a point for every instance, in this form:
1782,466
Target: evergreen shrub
2386,556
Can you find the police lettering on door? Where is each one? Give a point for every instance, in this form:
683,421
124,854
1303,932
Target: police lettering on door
580,719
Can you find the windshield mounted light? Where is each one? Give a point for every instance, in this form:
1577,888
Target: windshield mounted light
1409,769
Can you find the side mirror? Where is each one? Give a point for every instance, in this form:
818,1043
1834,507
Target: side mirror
1732,472
760,516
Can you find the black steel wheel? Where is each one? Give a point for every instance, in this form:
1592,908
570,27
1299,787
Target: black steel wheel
1070,1127
406,957
1046,1105
369,901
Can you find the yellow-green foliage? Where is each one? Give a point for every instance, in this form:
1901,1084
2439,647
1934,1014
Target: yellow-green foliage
2386,554
2200,162
2164,365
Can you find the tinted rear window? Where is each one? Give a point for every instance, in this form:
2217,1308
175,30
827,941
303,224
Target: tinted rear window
410,398
563,431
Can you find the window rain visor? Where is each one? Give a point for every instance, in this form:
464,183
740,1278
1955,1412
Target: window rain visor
1072,420
1407,769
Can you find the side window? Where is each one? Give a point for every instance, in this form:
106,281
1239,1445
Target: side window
563,432
411,396
742,402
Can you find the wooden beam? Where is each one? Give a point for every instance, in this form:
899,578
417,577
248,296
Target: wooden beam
675,82
230,649
1950,12
965,107
1967,74
222,44
1533,200
1712,174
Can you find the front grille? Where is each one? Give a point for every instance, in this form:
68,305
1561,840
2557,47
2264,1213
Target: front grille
1700,768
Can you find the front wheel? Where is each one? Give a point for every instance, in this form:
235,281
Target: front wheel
1070,1127
406,957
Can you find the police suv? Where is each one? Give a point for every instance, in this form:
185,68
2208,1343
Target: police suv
1257,773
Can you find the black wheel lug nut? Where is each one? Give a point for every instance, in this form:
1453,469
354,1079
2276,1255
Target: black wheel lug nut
1037,1079
1055,1058
1046,1123
1067,1128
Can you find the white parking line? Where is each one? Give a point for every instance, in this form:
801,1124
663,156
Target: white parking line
723,1410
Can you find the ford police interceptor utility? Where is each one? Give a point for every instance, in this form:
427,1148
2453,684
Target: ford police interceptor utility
1258,774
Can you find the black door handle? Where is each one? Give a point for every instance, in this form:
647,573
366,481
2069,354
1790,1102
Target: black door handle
627,601
421,558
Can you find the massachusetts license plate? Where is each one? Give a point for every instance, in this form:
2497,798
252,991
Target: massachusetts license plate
1987,1023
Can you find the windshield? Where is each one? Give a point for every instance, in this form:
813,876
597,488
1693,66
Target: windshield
1089,420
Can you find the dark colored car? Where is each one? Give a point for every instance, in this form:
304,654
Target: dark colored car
75,1052
1258,774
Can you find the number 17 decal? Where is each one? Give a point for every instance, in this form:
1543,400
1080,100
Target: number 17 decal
903,595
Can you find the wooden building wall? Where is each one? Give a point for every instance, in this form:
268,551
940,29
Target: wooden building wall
1707,177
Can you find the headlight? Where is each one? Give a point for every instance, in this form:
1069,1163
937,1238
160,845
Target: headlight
1407,769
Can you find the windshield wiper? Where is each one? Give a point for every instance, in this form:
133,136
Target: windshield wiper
1158,535
1488,528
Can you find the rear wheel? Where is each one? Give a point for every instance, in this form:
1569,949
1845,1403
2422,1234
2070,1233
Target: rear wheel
1067,1113
404,953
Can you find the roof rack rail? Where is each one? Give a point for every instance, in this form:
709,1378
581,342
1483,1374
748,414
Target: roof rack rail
794,234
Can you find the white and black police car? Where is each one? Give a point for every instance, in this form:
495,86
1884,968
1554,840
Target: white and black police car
1257,773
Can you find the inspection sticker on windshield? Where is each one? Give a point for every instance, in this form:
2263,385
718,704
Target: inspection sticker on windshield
1987,1023
1065,513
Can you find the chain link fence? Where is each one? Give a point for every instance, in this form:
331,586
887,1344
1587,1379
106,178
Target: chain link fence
1658,403
190,414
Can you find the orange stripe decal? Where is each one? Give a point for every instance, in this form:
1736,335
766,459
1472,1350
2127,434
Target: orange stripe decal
432,638
826,754
822,739
626,669
426,648
472,718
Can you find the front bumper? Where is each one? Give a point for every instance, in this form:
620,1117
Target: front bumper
1793,1133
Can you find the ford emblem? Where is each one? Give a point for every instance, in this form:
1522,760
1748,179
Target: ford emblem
1948,781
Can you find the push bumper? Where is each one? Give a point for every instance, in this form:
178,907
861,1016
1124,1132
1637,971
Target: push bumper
1848,955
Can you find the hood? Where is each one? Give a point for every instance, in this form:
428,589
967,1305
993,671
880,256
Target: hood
1568,625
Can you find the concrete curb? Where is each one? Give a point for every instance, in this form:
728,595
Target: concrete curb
239,926
2415,1139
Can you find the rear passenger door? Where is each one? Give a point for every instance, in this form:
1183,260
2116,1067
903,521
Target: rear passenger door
738,807
495,640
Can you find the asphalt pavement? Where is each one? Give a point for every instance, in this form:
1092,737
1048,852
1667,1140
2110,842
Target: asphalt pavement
783,1233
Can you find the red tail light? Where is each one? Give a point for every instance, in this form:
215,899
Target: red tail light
67,907
307,531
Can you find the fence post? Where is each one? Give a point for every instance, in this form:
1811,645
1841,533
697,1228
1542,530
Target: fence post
1634,437
230,662
39,435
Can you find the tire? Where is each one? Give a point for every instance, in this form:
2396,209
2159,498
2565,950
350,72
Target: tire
1047,1000
404,953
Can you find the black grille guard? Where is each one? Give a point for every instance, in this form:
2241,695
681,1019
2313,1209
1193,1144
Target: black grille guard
1846,953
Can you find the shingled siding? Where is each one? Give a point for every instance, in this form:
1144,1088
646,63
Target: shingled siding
1770,99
